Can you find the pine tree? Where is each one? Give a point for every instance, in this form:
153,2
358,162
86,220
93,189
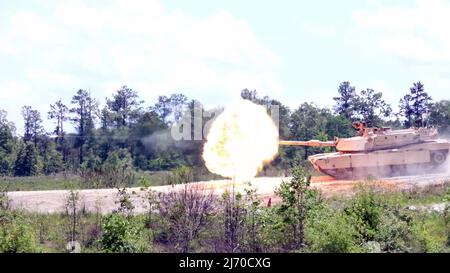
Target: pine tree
420,103
344,103
125,106
85,109
27,162
58,112
32,124
406,110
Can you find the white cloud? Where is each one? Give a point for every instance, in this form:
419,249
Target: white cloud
97,45
417,34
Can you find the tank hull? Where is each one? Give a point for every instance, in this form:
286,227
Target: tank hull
409,159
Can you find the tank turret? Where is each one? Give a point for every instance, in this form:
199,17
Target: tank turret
379,152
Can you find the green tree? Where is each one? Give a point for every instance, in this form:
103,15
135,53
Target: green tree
306,123
118,170
415,106
370,106
52,161
345,102
122,235
440,116
27,162
125,106
84,110
170,109
406,109
338,126
297,202
7,144
59,113
32,124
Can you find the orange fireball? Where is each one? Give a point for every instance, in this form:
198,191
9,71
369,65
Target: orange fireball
240,141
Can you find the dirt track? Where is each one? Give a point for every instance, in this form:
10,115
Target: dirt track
103,200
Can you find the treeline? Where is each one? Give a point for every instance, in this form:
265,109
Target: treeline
127,135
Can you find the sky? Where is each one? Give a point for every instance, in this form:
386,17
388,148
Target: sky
293,51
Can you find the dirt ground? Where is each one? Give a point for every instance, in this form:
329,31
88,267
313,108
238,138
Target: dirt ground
104,200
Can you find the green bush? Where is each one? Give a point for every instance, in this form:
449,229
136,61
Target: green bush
430,233
332,232
365,211
16,236
122,234
393,233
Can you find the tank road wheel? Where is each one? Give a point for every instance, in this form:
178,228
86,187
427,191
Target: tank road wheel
339,173
398,170
438,158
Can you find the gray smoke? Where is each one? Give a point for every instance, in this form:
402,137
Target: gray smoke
163,140
159,140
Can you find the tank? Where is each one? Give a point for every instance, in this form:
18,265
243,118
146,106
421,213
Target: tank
379,152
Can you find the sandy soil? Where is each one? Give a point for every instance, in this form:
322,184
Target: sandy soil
104,200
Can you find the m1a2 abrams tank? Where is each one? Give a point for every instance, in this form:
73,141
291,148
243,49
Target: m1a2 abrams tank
379,152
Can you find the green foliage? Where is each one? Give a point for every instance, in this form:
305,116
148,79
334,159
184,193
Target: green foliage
430,232
72,213
118,170
253,222
298,201
52,161
345,102
415,105
233,220
17,237
27,162
338,126
365,212
185,213
122,235
7,145
16,234
306,123
126,207
6,164
329,231
367,105
440,116
376,220
393,231
124,107
180,175
144,182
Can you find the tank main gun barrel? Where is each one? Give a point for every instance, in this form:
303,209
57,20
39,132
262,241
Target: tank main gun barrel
311,143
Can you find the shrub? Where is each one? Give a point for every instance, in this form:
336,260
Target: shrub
298,202
332,232
121,234
186,214
365,211
393,233
16,236
430,233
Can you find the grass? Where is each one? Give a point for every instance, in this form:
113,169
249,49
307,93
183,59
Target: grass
426,231
61,182
34,183
421,196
